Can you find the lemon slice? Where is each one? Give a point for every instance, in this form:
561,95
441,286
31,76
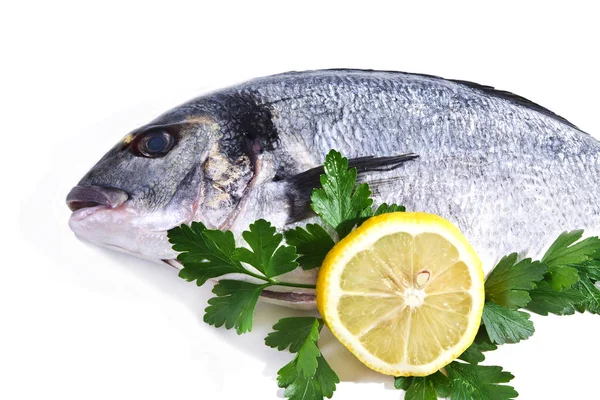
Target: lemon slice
403,292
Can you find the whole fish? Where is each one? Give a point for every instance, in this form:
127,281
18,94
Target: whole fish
509,173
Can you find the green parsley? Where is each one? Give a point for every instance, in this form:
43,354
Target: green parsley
204,254
340,202
299,387
509,282
562,282
567,251
545,300
312,243
481,344
307,376
504,325
460,380
207,253
591,268
591,294
385,209
234,305
479,382
424,388
291,333
464,381
562,277
569,285
267,256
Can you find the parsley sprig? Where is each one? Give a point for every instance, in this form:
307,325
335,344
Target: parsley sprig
340,202
307,376
206,253
561,283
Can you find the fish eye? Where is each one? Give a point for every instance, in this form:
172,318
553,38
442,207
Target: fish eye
154,143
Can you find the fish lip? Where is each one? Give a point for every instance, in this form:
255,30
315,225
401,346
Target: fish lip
81,197
85,212
88,200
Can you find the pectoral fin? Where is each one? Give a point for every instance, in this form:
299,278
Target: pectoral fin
300,186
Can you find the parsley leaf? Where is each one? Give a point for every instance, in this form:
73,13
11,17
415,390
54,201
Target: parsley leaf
234,305
561,277
292,333
338,202
402,382
479,382
572,269
326,377
266,255
382,209
564,250
385,209
505,325
586,288
287,374
546,300
424,388
312,243
509,282
306,360
299,387
590,268
204,253
307,376
421,389
474,353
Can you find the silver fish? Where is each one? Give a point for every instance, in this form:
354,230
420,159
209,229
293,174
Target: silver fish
509,173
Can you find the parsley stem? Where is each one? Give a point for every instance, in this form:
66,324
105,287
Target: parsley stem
257,276
275,282
290,284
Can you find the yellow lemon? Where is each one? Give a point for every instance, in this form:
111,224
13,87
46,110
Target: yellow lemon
403,292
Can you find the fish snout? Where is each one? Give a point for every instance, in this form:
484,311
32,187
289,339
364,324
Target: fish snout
91,196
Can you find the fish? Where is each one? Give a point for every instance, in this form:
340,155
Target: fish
511,174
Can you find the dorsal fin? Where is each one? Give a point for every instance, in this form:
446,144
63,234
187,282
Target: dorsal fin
514,98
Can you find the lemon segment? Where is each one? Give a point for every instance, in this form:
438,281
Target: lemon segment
403,292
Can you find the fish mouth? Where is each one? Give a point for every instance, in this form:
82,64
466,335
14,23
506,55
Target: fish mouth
86,200
85,212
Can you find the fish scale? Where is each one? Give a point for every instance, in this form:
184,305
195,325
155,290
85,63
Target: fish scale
543,172
509,173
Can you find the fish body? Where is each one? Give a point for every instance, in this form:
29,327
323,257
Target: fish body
509,173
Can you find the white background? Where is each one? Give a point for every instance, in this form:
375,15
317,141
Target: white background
78,322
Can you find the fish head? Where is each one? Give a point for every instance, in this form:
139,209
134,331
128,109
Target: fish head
194,163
